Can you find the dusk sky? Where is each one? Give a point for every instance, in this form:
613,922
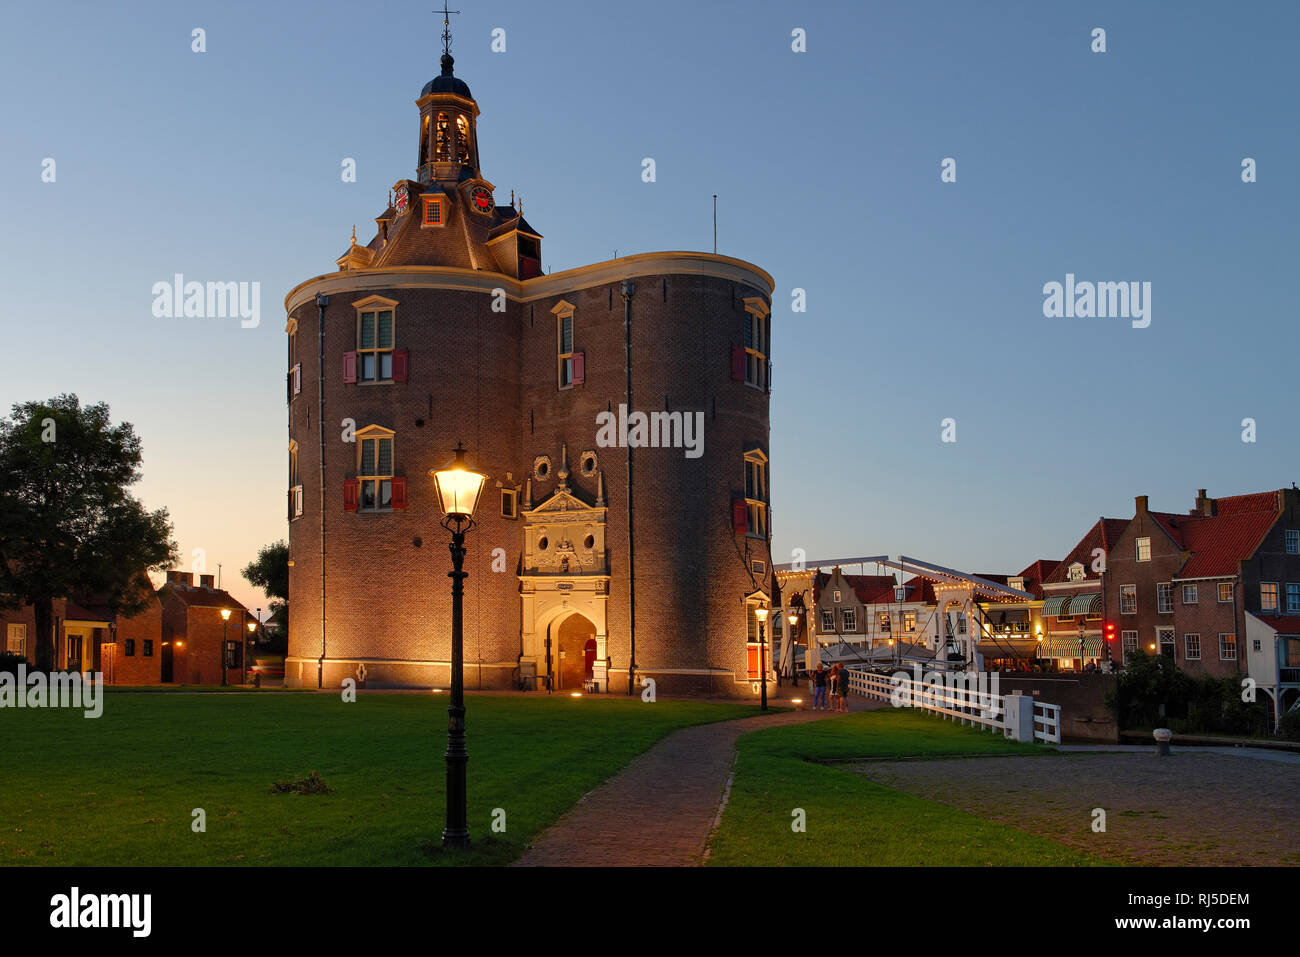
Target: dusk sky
924,298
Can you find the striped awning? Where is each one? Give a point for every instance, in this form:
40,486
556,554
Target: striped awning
1059,646
1083,605
1052,606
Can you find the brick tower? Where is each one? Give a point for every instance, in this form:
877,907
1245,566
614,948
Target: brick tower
619,409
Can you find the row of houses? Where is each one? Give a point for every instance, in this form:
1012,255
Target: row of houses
1215,588
181,636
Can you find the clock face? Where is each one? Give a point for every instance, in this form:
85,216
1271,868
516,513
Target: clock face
481,199
402,199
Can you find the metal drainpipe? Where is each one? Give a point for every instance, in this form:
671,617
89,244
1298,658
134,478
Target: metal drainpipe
625,289
321,303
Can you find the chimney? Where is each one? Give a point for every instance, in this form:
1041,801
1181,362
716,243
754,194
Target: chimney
178,577
1205,505
1141,503
206,581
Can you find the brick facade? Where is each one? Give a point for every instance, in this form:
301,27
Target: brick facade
480,350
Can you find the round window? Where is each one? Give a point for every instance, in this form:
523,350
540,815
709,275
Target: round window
542,543
589,542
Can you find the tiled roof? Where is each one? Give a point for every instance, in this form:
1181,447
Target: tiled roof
1255,502
1102,535
1036,574
199,597
1283,624
1219,542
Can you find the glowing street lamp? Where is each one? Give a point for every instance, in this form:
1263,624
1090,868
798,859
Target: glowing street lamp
225,620
458,487
761,614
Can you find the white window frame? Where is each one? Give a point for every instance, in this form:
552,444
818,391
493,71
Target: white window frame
1188,639
1161,630
900,593
1293,541
757,321
1225,646
850,619
756,508
828,621
1194,592
1077,572
1130,592
1144,545
1164,598
16,638
376,305
1128,643
1292,591
837,596
1219,587
909,621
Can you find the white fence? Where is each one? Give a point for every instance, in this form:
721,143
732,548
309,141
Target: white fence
968,705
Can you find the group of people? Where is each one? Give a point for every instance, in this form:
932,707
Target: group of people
837,679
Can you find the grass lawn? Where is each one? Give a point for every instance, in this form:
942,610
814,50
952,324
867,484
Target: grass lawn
854,821
120,789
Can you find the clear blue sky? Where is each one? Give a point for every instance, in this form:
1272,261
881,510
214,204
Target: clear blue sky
924,298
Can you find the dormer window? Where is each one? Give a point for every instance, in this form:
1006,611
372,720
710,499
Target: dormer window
1076,573
1017,583
900,594
434,211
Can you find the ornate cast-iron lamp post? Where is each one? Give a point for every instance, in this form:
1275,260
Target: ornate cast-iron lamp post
761,614
225,620
458,491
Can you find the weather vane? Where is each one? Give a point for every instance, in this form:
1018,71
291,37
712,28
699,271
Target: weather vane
446,27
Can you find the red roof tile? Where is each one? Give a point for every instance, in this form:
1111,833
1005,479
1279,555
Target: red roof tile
1102,535
1256,502
1218,543
1283,624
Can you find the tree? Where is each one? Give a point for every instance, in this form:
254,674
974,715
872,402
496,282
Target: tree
68,525
270,572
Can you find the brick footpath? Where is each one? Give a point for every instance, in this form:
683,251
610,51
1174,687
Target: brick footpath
661,808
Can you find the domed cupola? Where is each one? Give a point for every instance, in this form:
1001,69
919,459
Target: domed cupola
448,139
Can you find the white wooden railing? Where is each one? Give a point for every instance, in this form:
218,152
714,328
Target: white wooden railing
970,706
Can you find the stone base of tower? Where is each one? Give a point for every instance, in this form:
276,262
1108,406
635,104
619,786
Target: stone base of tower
695,684
387,673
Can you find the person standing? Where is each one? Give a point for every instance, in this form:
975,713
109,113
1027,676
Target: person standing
820,677
840,693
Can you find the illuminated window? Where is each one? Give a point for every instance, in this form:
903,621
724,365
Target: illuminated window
374,469
1227,647
1077,573
909,621
1268,596
433,210
1128,599
462,139
442,140
884,621
756,492
16,639
1225,591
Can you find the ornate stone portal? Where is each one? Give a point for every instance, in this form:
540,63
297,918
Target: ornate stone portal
564,573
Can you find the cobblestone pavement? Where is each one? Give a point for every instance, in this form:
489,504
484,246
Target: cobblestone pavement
661,808
1189,809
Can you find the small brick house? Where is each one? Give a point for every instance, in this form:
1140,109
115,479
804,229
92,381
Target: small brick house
195,636
89,637
1181,585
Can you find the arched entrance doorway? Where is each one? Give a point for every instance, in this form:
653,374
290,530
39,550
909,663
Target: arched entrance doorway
573,647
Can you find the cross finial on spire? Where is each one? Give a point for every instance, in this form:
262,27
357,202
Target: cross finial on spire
446,28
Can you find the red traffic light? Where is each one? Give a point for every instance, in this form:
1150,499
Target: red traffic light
1110,632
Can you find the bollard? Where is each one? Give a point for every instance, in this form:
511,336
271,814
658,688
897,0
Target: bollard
1162,736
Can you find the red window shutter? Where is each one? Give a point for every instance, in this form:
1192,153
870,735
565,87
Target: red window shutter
753,663
738,363
401,361
399,491
350,495
579,368
739,516
350,367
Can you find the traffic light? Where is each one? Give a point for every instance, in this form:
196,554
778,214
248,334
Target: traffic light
1110,632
